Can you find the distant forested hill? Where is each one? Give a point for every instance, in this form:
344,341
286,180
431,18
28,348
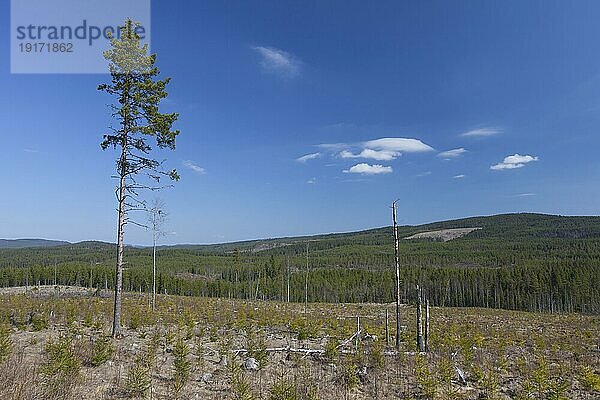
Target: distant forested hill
515,261
503,226
23,243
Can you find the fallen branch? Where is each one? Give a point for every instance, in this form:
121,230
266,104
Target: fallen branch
283,349
347,341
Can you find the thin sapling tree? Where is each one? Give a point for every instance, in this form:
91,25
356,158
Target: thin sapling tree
157,216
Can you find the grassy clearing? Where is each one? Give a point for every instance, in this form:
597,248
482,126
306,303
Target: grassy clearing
198,348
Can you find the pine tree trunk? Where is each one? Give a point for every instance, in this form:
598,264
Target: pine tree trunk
116,332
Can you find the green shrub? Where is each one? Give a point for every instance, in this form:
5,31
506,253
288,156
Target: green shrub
60,367
304,328
376,357
589,379
182,365
225,343
102,352
489,386
60,358
540,383
257,348
147,358
5,342
349,375
306,386
446,372
188,324
169,337
19,320
331,349
70,314
135,319
153,347
88,320
283,389
240,386
138,381
39,322
466,345
426,382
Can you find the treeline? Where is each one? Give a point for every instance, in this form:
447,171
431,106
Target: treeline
549,288
518,261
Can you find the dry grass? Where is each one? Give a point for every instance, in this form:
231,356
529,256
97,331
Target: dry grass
504,354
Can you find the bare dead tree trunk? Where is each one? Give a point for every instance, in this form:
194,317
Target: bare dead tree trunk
387,330
427,325
156,219
235,293
357,341
306,282
397,262
154,271
420,346
288,277
282,292
257,287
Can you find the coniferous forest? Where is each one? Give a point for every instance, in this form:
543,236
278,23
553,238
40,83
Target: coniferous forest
528,262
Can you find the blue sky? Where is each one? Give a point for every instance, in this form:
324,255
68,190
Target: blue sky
500,101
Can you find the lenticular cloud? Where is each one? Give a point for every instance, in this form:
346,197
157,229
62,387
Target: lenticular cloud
513,162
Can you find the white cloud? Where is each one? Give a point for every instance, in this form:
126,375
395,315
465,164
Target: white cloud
333,146
452,153
194,167
525,195
312,181
422,174
367,169
379,155
519,159
391,145
481,132
278,62
400,145
460,176
307,157
513,162
384,149
348,154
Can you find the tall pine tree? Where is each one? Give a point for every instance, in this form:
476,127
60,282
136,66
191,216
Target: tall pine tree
137,92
